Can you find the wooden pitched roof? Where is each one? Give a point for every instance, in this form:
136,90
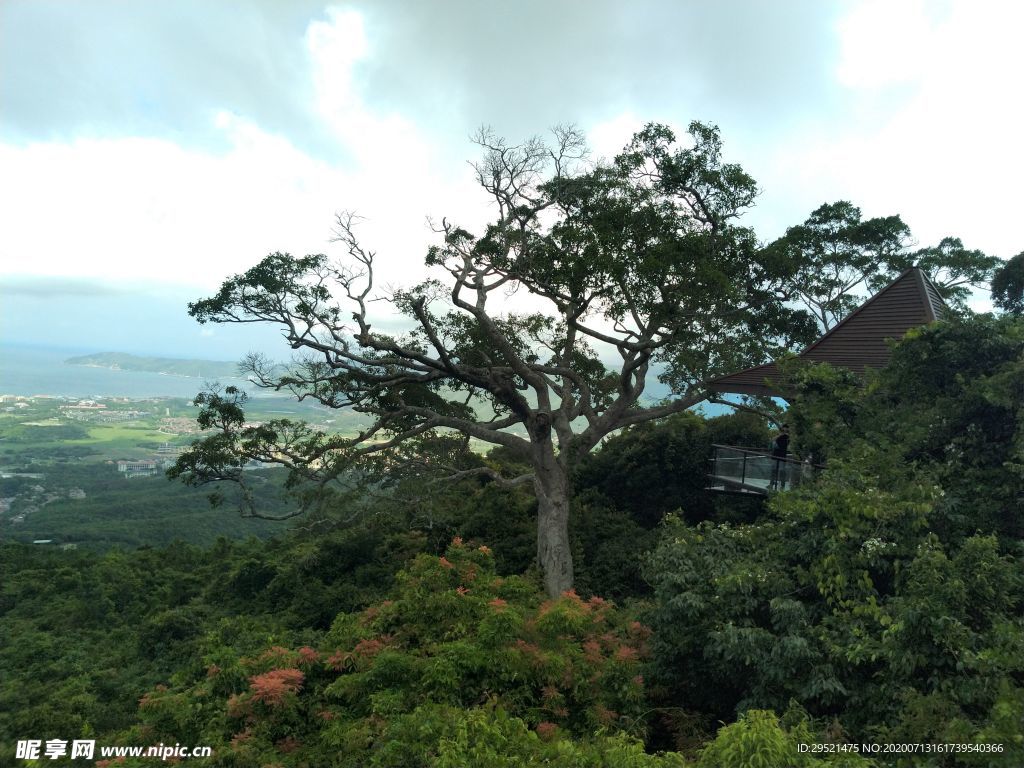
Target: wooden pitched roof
857,342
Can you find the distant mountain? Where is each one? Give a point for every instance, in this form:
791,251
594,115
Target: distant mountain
169,366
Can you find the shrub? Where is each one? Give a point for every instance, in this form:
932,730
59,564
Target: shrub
458,662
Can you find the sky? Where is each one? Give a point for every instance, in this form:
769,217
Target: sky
150,150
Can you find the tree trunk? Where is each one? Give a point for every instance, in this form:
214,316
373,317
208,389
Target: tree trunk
553,552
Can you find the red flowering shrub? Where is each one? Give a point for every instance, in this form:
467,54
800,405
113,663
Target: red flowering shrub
625,653
368,648
546,730
239,705
386,685
340,660
276,654
272,688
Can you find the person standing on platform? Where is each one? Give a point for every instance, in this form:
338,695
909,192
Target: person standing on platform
780,450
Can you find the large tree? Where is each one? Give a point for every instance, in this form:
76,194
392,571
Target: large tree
1008,285
843,259
632,267
954,270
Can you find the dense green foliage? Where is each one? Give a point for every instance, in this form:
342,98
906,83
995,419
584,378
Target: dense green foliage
141,511
385,686
460,666
83,637
1008,286
889,594
652,469
880,604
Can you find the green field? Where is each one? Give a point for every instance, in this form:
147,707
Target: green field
62,482
31,443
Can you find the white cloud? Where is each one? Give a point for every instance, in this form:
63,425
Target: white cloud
607,138
929,131
885,43
146,209
943,150
138,210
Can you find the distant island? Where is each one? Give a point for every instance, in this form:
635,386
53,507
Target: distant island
168,366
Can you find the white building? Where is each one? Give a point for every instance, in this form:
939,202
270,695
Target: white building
137,467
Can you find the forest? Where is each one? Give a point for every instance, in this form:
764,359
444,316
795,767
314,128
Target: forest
881,604
575,595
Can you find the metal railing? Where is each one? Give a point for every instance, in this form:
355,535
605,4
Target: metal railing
757,471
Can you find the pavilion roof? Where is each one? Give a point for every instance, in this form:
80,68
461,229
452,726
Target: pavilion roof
858,342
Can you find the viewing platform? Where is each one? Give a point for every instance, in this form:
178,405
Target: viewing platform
757,472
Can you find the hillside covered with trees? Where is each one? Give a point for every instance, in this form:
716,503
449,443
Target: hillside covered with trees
881,604
170,366
575,595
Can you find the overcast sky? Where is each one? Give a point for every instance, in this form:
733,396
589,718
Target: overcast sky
149,150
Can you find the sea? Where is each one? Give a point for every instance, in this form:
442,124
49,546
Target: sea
42,371
31,371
